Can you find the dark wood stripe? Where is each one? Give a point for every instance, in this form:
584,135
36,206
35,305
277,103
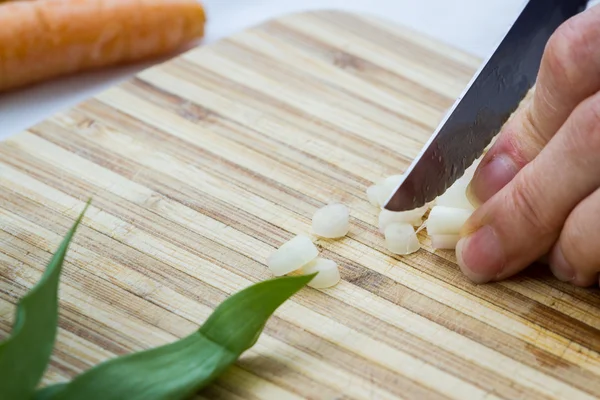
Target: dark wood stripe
515,303
401,46
246,57
183,150
380,77
540,273
215,392
380,376
310,165
287,113
284,376
119,343
545,283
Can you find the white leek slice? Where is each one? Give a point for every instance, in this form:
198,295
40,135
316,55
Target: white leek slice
388,185
413,217
444,241
401,238
456,195
327,271
292,255
374,193
331,221
446,220
393,181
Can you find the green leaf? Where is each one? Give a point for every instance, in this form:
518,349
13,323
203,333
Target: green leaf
24,356
49,391
179,369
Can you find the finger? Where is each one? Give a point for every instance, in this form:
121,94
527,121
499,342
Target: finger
569,73
523,220
576,256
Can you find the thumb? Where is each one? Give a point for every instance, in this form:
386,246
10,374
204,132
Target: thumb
568,75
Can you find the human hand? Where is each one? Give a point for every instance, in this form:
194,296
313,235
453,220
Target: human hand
540,182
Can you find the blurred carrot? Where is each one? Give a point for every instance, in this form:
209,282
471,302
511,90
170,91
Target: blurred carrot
44,39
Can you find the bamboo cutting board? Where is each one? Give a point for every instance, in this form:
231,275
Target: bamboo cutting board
199,168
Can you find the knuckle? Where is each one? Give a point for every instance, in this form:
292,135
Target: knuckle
525,199
575,241
586,129
580,235
568,49
573,238
536,138
592,111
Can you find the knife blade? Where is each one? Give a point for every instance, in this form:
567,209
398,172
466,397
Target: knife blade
489,99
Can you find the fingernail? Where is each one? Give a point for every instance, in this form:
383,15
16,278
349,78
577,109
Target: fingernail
492,177
559,266
480,255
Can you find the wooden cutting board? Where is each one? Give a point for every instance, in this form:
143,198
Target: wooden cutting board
199,168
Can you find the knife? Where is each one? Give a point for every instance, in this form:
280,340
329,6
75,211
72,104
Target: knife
490,98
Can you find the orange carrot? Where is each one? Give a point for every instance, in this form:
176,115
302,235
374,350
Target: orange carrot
40,40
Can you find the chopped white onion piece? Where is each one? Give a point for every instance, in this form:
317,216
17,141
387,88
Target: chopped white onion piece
393,181
456,195
327,271
446,220
331,221
400,238
292,255
373,194
388,185
383,195
413,217
444,241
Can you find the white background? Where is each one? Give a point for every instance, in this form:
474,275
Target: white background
472,25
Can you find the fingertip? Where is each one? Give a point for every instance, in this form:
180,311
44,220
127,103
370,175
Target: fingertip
466,270
480,255
585,281
565,272
559,266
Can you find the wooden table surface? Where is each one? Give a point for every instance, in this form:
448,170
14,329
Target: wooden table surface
199,168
